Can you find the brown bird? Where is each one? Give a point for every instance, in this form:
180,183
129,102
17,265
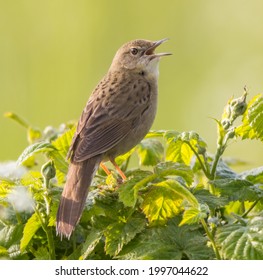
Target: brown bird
117,116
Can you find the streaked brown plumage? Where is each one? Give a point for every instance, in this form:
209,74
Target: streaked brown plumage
117,116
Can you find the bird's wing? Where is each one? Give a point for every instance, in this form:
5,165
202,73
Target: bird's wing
109,116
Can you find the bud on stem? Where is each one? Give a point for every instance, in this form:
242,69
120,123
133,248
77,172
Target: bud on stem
48,172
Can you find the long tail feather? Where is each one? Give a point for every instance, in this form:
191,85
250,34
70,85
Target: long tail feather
74,195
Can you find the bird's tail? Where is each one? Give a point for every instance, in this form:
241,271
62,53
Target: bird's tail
74,195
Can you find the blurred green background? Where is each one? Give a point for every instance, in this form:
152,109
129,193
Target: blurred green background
53,53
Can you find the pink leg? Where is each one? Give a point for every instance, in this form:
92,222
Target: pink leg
104,167
118,169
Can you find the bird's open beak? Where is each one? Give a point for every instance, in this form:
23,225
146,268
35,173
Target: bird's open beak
150,51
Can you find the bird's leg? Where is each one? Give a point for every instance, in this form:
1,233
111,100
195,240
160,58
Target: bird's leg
104,167
124,178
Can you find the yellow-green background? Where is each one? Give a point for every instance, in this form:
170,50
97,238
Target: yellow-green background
53,52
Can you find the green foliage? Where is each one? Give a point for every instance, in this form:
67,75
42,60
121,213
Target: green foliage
242,241
251,126
150,152
31,227
170,242
161,202
185,203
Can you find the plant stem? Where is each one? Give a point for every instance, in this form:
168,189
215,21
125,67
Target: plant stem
219,153
18,217
205,170
250,208
49,235
51,245
211,238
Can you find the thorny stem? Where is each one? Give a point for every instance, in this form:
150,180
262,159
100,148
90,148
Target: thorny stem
211,238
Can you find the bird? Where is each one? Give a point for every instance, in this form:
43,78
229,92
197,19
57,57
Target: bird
117,116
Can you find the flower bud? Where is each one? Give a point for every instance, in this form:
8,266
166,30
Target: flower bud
238,106
48,170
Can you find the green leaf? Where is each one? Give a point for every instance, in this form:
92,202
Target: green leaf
254,175
10,235
31,178
40,147
92,240
128,194
213,201
63,142
150,151
170,168
122,232
171,135
184,192
241,241
122,158
172,242
3,252
252,126
182,147
106,204
6,186
161,203
220,129
155,133
14,252
164,200
238,189
53,212
179,151
255,115
42,253
61,166
235,208
224,171
194,215
31,227
33,134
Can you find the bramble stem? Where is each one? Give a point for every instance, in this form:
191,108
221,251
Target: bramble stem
211,238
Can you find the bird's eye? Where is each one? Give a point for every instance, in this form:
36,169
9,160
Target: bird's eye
134,51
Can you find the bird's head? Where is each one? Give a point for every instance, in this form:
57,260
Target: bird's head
139,56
